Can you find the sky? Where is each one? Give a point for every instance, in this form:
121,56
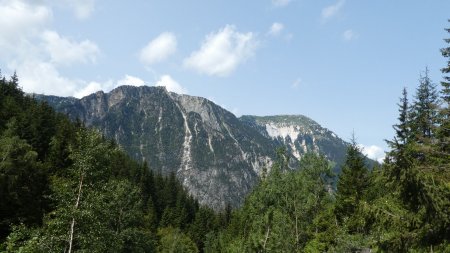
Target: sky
342,63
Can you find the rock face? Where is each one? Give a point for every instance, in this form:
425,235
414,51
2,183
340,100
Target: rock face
217,156
300,134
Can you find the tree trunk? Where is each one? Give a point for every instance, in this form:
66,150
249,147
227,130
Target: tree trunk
72,225
267,237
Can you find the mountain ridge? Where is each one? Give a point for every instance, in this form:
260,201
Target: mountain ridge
217,156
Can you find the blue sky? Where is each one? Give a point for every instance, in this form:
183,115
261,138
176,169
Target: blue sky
343,63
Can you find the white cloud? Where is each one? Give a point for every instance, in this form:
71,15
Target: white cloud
373,152
42,77
88,89
349,35
92,87
19,21
83,9
35,52
221,52
107,86
296,84
64,51
130,80
159,48
332,10
281,3
275,29
171,85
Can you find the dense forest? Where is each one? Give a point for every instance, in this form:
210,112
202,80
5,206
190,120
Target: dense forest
66,188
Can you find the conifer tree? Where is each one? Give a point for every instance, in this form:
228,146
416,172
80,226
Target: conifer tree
402,128
424,110
444,129
402,131
446,71
352,184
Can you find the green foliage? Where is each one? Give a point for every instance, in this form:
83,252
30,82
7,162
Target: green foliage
66,188
413,210
351,187
443,133
173,240
424,110
446,70
22,182
280,213
402,206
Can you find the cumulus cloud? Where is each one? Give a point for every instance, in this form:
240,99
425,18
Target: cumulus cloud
373,152
64,51
276,29
36,53
131,80
42,77
221,52
38,58
107,86
90,88
170,84
349,35
332,10
159,49
19,21
280,3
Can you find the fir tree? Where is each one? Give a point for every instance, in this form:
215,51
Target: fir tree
402,128
444,129
446,71
352,184
424,110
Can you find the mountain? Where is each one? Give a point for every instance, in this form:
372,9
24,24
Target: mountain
217,156
300,134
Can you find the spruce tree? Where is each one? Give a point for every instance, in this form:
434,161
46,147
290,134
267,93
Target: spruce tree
446,71
444,129
424,110
402,128
352,184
